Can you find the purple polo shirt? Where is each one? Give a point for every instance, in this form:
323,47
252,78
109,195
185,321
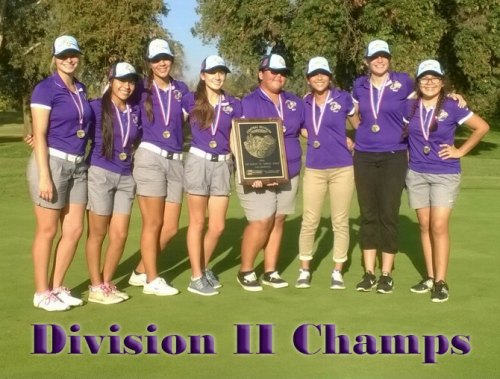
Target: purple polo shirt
390,116
450,116
64,120
153,130
96,157
257,105
230,108
332,151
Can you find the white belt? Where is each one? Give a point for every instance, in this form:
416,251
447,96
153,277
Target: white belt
68,157
164,153
211,157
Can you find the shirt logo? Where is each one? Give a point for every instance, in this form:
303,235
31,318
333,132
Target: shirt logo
135,119
227,109
177,95
442,115
292,105
395,86
335,107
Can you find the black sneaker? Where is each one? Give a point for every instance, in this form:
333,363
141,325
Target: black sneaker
385,284
248,280
273,279
440,292
424,286
367,283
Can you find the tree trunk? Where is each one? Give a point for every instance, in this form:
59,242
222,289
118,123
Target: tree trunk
28,126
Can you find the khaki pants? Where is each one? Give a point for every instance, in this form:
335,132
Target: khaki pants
339,183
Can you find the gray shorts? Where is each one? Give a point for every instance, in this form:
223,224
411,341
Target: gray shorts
206,178
109,192
432,190
157,176
69,178
262,203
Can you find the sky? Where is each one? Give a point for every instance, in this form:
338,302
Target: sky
180,20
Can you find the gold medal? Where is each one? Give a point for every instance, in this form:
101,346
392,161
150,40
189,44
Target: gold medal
427,150
212,144
80,133
316,144
375,128
166,134
122,156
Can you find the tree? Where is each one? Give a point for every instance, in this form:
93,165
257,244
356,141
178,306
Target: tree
462,34
107,30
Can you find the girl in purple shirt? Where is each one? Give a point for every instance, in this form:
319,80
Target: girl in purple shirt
208,170
328,168
433,179
57,173
111,186
380,162
266,208
158,168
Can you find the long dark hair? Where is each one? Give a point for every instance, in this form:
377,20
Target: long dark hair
107,123
148,88
203,112
148,102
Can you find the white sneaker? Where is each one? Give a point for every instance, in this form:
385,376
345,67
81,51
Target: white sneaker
159,287
64,294
337,281
103,295
123,295
49,302
137,280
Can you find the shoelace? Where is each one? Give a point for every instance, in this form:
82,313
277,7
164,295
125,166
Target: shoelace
51,298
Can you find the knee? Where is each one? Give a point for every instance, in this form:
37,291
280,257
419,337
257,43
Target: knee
47,232
168,231
152,225
216,229
118,236
439,227
73,232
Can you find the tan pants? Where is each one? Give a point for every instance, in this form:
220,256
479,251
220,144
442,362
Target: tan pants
339,183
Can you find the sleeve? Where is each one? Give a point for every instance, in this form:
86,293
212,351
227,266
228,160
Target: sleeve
42,96
461,115
355,94
349,102
187,102
237,109
409,85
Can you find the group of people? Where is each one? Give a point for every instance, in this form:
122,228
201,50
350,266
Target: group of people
136,150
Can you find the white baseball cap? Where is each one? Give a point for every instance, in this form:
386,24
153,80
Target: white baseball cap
123,70
429,66
159,48
377,47
213,62
64,45
274,62
318,65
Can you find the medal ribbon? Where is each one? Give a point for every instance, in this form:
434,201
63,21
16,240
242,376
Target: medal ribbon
425,124
279,109
317,125
376,107
127,133
166,118
78,105
215,125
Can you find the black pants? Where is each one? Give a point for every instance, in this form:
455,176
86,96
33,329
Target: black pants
380,180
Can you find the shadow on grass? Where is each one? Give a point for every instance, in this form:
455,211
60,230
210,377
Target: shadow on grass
463,134
10,139
173,261
11,118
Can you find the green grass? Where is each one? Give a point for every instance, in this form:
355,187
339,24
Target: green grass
472,310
